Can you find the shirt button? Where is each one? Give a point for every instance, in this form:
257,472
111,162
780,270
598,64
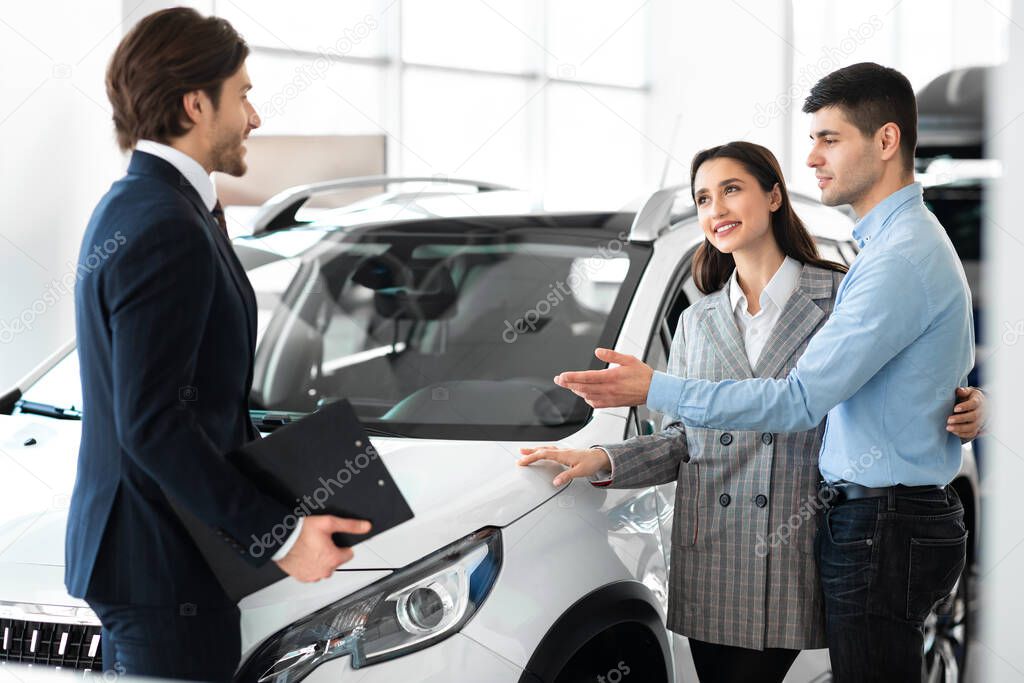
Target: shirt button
725,439
760,500
766,439
724,500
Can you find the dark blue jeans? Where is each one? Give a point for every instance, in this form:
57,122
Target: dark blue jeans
884,563
186,642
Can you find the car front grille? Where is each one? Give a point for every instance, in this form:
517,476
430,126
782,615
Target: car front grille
71,646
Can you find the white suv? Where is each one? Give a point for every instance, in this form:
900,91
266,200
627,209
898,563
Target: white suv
442,316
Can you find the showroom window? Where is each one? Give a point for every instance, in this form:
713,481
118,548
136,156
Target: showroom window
921,38
546,96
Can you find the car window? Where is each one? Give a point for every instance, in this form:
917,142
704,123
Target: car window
441,335
61,386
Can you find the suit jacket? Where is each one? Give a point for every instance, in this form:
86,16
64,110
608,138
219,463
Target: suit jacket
166,325
742,571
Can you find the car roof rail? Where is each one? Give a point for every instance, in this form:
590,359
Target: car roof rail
279,211
655,214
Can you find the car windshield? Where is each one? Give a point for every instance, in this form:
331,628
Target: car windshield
441,329
436,329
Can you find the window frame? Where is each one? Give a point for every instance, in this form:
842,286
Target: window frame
392,94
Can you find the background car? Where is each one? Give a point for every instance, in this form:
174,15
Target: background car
441,315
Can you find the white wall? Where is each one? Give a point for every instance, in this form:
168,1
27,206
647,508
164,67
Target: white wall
713,63
58,156
1003,521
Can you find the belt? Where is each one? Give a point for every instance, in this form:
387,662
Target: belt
842,491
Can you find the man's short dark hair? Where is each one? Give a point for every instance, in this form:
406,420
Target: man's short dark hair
166,55
870,95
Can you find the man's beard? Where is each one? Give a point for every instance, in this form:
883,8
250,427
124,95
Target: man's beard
855,187
227,156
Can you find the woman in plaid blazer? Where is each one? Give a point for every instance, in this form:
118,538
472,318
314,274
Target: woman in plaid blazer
743,582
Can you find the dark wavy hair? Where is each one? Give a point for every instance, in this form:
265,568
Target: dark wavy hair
711,267
166,55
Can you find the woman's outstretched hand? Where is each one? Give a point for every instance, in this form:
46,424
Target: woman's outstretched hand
582,462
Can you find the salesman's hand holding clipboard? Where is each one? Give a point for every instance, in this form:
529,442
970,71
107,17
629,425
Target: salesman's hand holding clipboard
324,468
315,556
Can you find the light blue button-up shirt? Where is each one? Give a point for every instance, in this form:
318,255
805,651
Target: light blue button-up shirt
883,368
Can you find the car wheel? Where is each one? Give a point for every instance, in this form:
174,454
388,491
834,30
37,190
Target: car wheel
946,632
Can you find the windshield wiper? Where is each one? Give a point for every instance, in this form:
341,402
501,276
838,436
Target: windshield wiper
265,420
268,421
373,430
47,410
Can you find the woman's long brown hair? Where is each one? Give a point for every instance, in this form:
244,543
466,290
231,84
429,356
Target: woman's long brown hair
712,268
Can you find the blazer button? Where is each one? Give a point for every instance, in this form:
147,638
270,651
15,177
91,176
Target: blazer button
725,499
760,500
725,439
766,439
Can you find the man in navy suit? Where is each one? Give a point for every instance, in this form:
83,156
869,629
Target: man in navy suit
166,334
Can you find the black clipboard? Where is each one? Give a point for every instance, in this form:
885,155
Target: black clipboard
324,462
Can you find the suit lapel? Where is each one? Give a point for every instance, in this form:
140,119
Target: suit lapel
799,319
230,260
720,326
246,295
234,266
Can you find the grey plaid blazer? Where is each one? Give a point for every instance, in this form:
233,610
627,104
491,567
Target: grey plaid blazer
742,561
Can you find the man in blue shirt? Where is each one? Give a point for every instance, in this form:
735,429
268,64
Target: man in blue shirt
884,369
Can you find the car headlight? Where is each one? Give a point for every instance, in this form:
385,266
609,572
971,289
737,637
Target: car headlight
413,608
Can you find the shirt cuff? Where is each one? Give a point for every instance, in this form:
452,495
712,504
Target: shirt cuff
289,542
660,397
603,477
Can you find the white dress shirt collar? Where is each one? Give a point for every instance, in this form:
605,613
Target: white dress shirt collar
186,165
777,292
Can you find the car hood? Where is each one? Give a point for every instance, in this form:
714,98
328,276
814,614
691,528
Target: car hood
453,488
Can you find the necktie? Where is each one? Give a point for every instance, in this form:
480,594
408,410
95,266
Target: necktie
218,213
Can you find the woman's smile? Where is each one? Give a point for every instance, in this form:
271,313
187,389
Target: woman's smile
724,228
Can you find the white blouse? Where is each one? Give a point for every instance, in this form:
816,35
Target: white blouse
755,329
